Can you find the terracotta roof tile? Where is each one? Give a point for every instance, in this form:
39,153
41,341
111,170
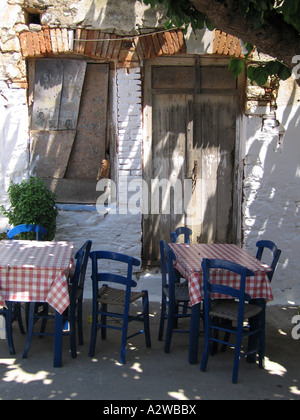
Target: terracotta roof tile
100,45
225,44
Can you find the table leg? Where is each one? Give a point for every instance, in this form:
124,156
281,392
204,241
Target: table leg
194,334
259,321
58,339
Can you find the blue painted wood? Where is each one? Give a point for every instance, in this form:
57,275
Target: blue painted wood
39,230
275,252
101,310
215,325
169,304
181,231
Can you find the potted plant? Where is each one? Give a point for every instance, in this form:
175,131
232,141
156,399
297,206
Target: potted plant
31,202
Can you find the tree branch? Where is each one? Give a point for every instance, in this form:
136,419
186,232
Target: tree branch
276,38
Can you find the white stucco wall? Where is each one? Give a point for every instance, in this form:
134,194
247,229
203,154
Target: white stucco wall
272,187
13,140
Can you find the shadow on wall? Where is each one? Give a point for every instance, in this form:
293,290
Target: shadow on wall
271,193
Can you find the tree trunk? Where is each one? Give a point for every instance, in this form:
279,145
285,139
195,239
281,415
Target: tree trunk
276,38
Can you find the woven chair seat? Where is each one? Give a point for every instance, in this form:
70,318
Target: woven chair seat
111,296
181,292
229,308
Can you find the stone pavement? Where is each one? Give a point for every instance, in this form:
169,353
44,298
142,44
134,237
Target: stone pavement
150,374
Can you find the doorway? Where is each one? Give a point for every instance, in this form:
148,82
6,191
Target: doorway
191,152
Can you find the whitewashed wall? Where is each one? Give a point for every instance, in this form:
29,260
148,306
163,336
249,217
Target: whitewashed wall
272,186
13,140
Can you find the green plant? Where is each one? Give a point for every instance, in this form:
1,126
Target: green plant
181,13
31,202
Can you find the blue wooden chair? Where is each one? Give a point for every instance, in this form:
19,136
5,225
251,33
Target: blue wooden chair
73,315
174,295
181,231
10,313
229,315
274,252
39,230
109,296
268,250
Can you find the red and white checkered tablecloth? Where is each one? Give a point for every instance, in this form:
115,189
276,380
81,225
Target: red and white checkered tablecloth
188,263
32,271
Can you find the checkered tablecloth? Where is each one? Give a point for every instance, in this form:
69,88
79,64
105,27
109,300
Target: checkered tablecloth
188,263
32,271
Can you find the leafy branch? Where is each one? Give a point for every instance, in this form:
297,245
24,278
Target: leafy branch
182,13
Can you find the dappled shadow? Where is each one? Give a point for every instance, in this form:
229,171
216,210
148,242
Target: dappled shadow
270,191
150,374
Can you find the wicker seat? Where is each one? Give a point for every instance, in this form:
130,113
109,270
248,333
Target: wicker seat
229,309
110,296
181,292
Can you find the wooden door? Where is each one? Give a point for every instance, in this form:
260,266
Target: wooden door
192,145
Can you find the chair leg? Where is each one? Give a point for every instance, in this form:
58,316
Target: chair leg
93,331
146,318
72,322
205,355
79,322
44,320
8,326
58,335
169,333
237,355
162,319
30,326
262,339
18,310
103,321
124,339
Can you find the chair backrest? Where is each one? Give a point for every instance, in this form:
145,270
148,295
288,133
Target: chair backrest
181,231
110,276
209,287
275,254
167,258
81,256
39,230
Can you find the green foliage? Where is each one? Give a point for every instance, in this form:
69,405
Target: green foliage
31,202
257,11
259,73
181,13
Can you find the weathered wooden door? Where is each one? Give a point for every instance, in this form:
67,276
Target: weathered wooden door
68,133
191,158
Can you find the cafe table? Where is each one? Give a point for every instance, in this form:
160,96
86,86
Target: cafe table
37,271
188,262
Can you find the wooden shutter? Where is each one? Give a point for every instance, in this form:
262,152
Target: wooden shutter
68,127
